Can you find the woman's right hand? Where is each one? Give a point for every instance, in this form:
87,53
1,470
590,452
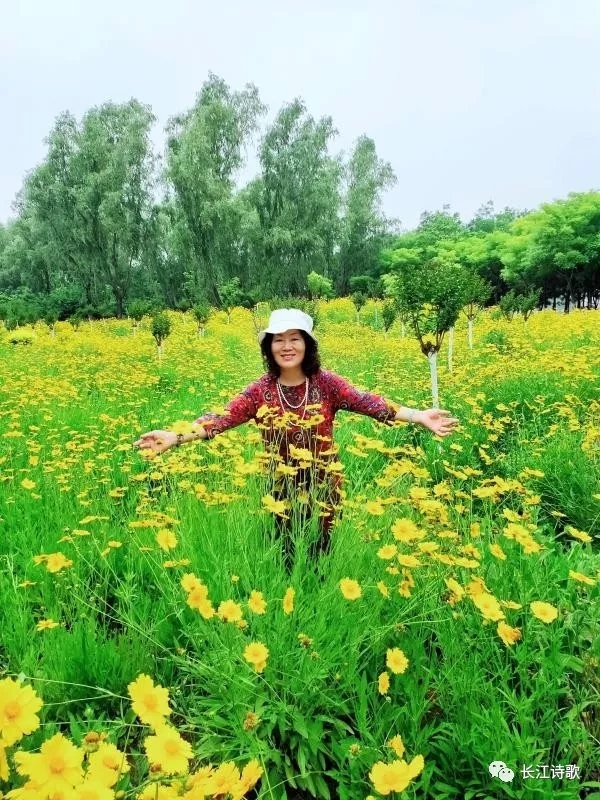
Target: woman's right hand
156,441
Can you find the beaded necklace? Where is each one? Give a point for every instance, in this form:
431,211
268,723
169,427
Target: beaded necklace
284,401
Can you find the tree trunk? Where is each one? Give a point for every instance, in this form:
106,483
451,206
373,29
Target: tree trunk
450,348
470,333
432,357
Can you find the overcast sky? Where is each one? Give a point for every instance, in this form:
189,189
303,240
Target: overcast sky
470,100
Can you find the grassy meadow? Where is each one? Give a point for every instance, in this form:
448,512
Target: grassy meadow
454,623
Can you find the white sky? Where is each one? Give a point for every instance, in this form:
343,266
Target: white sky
469,100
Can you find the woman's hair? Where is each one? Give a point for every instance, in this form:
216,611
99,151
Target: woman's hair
311,363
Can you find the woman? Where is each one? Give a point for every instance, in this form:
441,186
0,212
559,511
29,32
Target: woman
294,404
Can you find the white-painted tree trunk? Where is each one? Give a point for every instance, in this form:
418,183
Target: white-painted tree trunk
434,378
450,348
470,333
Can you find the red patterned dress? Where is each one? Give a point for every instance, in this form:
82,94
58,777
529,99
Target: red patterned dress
284,429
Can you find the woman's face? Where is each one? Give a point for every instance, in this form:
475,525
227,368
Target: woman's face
288,349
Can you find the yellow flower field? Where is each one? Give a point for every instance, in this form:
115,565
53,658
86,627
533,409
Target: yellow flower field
153,645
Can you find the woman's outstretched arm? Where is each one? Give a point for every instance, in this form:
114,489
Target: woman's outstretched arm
240,410
437,420
346,397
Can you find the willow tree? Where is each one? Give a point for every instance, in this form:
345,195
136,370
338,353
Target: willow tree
205,150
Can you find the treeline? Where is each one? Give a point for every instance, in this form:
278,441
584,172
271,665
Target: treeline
104,222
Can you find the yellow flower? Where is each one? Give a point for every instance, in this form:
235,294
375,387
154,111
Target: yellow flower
107,764
189,582
374,507
508,635
395,777
166,539
46,625
257,603
223,781
197,594
288,601
26,483
577,534
55,769
408,561
275,506
160,791
149,702
93,790
18,711
405,530
396,661
488,605
256,654
543,611
457,591
250,776
350,589
230,611
169,750
55,562
397,745
383,589
579,576
206,609
497,551
383,683
387,551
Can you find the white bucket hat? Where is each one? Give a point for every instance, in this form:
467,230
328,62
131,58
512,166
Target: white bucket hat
287,319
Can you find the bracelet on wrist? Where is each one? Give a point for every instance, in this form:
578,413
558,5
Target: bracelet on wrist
411,414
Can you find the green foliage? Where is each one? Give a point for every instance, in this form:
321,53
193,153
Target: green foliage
51,318
201,312
556,249
513,303
527,303
85,210
296,200
499,340
230,295
160,327
508,305
389,312
359,299
75,321
319,286
476,293
430,297
364,227
138,309
204,151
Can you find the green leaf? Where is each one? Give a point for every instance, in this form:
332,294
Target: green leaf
299,724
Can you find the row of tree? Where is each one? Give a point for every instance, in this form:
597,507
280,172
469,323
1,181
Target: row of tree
91,226
104,221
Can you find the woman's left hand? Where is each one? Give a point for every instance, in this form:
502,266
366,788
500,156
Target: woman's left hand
437,420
